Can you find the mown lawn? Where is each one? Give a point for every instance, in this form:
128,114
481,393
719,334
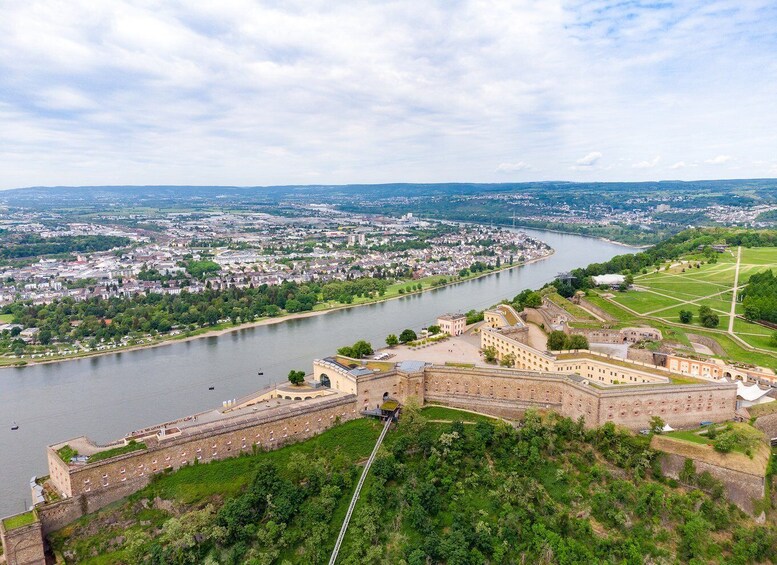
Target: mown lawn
194,483
451,414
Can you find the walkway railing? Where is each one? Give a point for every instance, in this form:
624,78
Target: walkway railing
355,497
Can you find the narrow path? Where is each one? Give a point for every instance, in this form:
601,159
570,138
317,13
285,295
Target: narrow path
734,296
686,327
355,497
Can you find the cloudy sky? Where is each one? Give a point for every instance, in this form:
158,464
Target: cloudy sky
291,92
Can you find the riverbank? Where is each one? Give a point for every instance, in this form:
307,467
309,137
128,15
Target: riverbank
226,329
600,238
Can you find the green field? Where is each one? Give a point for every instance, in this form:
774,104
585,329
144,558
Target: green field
452,415
659,297
689,284
6,318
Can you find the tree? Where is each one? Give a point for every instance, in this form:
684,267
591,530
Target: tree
434,330
407,335
392,340
362,348
528,299
489,354
708,318
358,350
557,340
576,341
657,424
508,360
296,377
686,316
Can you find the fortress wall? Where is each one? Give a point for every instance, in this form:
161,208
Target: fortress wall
598,335
603,314
509,409
23,546
581,401
59,514
641,356
741,488
602,371
59,473
371,389
267,432
506,392
678,406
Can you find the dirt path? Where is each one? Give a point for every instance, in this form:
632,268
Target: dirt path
734,296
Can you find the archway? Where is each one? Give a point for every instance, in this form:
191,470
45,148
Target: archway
385,396
325,380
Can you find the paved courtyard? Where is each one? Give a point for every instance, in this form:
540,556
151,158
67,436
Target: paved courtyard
462,349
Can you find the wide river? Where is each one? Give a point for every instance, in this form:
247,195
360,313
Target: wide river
105,397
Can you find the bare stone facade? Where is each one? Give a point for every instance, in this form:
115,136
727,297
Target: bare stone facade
625,335
220,442
23,546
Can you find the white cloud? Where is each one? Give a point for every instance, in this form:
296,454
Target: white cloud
513,167
249,92
719,160
589,160
678,165
647,164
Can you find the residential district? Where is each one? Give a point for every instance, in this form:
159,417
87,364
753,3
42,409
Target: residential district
172,253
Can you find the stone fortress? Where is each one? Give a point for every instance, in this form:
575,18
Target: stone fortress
579,384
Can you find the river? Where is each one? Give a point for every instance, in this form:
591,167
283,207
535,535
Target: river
107,396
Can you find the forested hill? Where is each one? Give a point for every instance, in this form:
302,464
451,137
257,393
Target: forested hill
630,212
470,491
611,193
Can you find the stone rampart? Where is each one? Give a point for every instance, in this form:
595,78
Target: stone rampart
23,545
603,314
743,478
57,515
641,356
97,484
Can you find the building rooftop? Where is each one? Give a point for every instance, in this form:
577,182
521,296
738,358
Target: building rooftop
411,366
451,317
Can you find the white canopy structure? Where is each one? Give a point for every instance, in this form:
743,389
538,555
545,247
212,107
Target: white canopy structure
609,280
753,394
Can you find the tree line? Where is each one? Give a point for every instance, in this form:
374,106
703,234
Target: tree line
33,245
759,297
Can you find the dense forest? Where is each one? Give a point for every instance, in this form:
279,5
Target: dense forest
760,297
14,246
459,493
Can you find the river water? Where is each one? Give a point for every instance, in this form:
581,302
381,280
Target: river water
105,397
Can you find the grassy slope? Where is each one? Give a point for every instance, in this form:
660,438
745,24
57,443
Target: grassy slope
696,284
196,485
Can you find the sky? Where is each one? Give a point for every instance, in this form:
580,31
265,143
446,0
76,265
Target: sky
237,92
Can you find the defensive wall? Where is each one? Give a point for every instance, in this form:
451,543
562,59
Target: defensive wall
743,478
616,336
508,392
23,545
